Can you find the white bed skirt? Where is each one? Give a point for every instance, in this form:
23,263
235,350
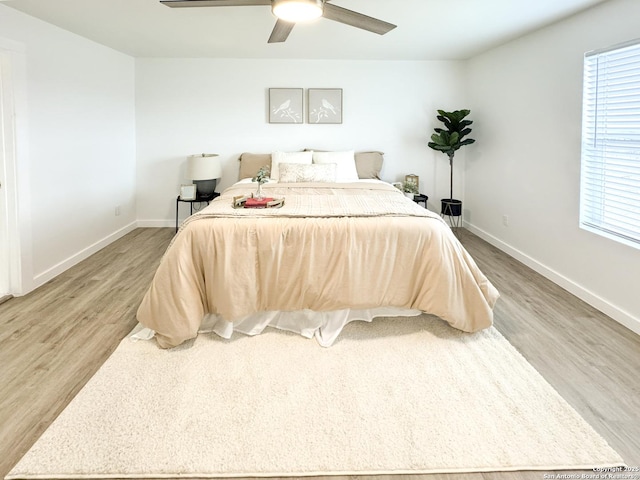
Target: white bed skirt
324,326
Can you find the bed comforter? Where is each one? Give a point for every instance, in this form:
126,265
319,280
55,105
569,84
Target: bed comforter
330,247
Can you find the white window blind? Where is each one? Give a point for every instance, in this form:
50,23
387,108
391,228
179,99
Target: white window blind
610,167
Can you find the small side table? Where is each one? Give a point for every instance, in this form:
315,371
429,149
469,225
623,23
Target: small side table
419,198
191,202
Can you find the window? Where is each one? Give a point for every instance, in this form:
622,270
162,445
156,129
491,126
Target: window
610,168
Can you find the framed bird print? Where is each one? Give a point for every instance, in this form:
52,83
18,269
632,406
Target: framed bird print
285,105
325,105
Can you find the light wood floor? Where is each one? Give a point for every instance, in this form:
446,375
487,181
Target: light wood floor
54,339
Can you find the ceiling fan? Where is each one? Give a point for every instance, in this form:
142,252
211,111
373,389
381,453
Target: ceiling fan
291,11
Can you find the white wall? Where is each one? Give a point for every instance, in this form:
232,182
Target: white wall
188,106
525,98
76,144
87,142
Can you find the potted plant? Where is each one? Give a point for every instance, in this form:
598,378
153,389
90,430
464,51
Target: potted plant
410,189
448,140
261,177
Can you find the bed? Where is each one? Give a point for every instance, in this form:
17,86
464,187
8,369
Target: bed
341,248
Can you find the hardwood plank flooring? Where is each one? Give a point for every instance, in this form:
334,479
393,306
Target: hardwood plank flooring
54,339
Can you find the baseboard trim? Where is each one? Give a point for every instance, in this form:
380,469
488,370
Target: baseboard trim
42,278
156,223
621,316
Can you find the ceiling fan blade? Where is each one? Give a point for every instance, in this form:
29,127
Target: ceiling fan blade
280,31
214,3
355,19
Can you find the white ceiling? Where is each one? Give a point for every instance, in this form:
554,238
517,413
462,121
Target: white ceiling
427,29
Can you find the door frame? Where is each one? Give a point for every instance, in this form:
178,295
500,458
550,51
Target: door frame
7,177
16,172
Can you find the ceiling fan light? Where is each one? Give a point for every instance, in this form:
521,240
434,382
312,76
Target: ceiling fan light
297,10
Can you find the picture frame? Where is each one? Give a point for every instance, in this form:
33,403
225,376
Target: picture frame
286,105
187,192
324,105
412,178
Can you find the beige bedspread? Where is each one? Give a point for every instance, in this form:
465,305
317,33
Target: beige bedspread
330,247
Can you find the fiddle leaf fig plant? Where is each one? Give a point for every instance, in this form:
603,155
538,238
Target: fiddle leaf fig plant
449,139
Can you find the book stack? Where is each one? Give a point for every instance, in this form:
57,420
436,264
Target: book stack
252,202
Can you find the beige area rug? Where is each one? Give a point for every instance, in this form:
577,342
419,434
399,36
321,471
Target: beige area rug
403,395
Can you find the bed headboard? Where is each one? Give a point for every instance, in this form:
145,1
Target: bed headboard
368,164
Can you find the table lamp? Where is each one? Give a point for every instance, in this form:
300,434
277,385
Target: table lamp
204,169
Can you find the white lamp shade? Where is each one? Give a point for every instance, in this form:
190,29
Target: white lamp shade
204,166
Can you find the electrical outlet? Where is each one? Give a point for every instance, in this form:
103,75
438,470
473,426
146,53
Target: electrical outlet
117,210
505,220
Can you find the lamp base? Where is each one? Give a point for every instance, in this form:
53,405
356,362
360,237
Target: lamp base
205,189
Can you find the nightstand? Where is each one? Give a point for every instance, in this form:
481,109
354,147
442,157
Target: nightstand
191,202
419,198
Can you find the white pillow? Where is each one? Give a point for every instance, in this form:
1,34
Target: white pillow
295,173
345,164
288,157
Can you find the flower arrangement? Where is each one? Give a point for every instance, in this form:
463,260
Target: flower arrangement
263,175
410,187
